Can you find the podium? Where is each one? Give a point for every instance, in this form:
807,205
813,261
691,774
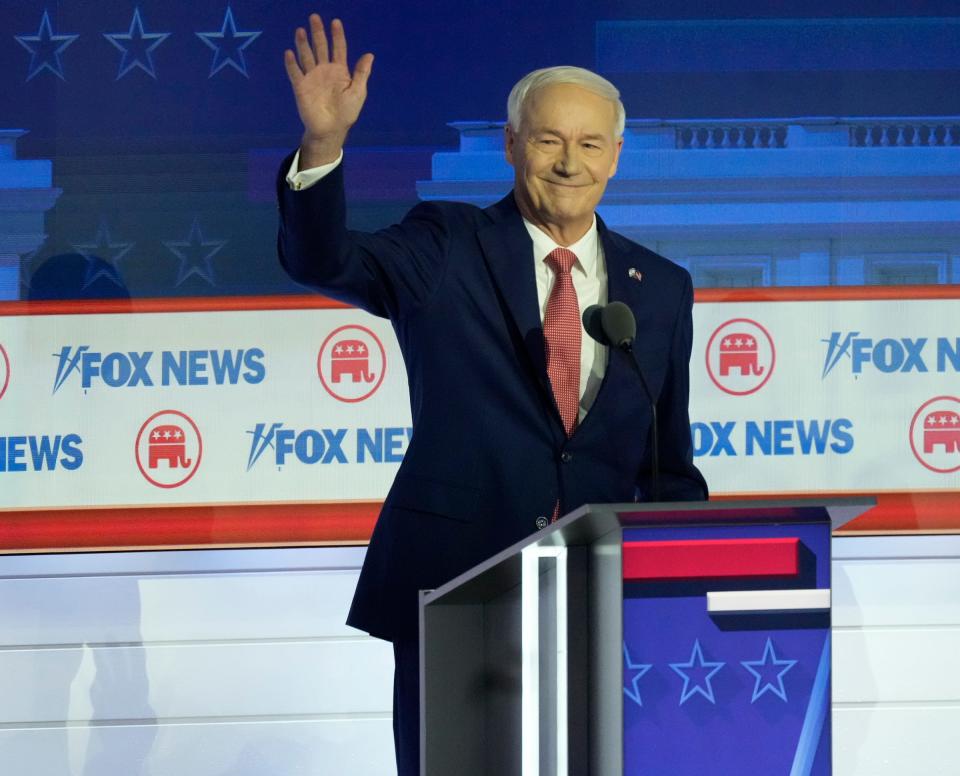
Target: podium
665,639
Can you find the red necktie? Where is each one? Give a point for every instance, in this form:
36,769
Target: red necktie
561,332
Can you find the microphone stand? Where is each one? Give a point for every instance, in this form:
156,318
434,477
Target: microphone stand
627,347
615,326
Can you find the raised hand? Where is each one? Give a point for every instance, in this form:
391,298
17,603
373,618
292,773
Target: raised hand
328,97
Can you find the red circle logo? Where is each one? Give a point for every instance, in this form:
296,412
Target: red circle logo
351,363
168,449
740,356
4,371
935,434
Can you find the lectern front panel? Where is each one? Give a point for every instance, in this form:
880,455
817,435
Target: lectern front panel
726,651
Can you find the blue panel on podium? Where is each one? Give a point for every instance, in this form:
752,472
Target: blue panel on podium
744,688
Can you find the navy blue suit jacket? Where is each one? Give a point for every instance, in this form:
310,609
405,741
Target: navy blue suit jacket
489,454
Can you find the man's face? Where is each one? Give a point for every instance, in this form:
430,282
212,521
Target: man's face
563,155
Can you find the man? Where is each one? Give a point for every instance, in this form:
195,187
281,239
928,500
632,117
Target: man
518,416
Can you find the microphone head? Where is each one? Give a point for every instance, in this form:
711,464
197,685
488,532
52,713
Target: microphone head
593,325
619,325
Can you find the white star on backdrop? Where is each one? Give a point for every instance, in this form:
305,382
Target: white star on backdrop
136,46
228,45
45,49
103,247
195,254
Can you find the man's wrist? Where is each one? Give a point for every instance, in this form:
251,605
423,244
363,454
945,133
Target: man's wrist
316,152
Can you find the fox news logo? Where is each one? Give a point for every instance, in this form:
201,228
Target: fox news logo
40,453
328,445
890,355
779,437
135,369
311,446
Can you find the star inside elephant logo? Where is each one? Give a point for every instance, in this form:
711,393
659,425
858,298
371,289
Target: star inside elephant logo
168,449
351,363
740,356
4,371
935,434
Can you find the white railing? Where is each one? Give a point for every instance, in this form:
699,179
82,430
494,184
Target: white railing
746,134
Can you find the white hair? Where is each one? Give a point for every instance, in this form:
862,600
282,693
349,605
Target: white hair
562,74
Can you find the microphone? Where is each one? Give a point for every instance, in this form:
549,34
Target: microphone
619,325
611,324
592,324
615,325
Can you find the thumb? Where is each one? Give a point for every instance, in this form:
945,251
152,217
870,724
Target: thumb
361,73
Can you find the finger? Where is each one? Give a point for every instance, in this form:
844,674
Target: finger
294,73
339,43
307,61
319,36
361,73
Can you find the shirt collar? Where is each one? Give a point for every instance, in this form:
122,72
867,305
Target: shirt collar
585,248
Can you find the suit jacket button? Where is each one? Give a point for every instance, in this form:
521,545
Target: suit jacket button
542,522
566,457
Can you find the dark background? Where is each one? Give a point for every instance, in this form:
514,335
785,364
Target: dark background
188,158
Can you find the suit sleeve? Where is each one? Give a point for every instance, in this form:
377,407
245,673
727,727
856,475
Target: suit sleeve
680,480
390,273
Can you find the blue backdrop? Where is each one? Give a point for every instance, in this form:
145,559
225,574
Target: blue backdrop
164,122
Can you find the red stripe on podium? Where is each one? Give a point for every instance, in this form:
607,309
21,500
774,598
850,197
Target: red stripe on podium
710,559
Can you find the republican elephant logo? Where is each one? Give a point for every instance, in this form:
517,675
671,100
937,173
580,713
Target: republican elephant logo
350,357
351,363
168,449
739,351
740,356
942,429
168,443
935,434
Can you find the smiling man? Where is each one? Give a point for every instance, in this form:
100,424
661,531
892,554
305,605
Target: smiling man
563,140
518,416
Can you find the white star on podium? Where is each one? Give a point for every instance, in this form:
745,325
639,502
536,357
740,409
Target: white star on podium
763,666
633,693
697,665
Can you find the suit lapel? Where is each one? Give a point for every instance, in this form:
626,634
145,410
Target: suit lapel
638,296
508,251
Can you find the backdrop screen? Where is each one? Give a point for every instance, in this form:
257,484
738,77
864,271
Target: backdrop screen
802,163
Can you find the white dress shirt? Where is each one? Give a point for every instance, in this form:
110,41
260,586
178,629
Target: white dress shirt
589,274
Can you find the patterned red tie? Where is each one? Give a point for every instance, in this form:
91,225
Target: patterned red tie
561,332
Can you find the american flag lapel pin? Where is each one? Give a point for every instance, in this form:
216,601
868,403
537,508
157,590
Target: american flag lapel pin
632,273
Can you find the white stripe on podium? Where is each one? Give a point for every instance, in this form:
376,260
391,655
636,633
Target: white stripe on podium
757,601
531,646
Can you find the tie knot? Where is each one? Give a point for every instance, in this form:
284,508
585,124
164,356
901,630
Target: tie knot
561,260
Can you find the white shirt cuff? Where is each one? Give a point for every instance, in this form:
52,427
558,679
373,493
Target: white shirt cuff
298,179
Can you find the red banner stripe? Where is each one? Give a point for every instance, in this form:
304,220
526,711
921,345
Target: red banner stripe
193,526
338,523
710,559
193,304
314,301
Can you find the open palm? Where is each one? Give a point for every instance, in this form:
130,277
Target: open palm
329,98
